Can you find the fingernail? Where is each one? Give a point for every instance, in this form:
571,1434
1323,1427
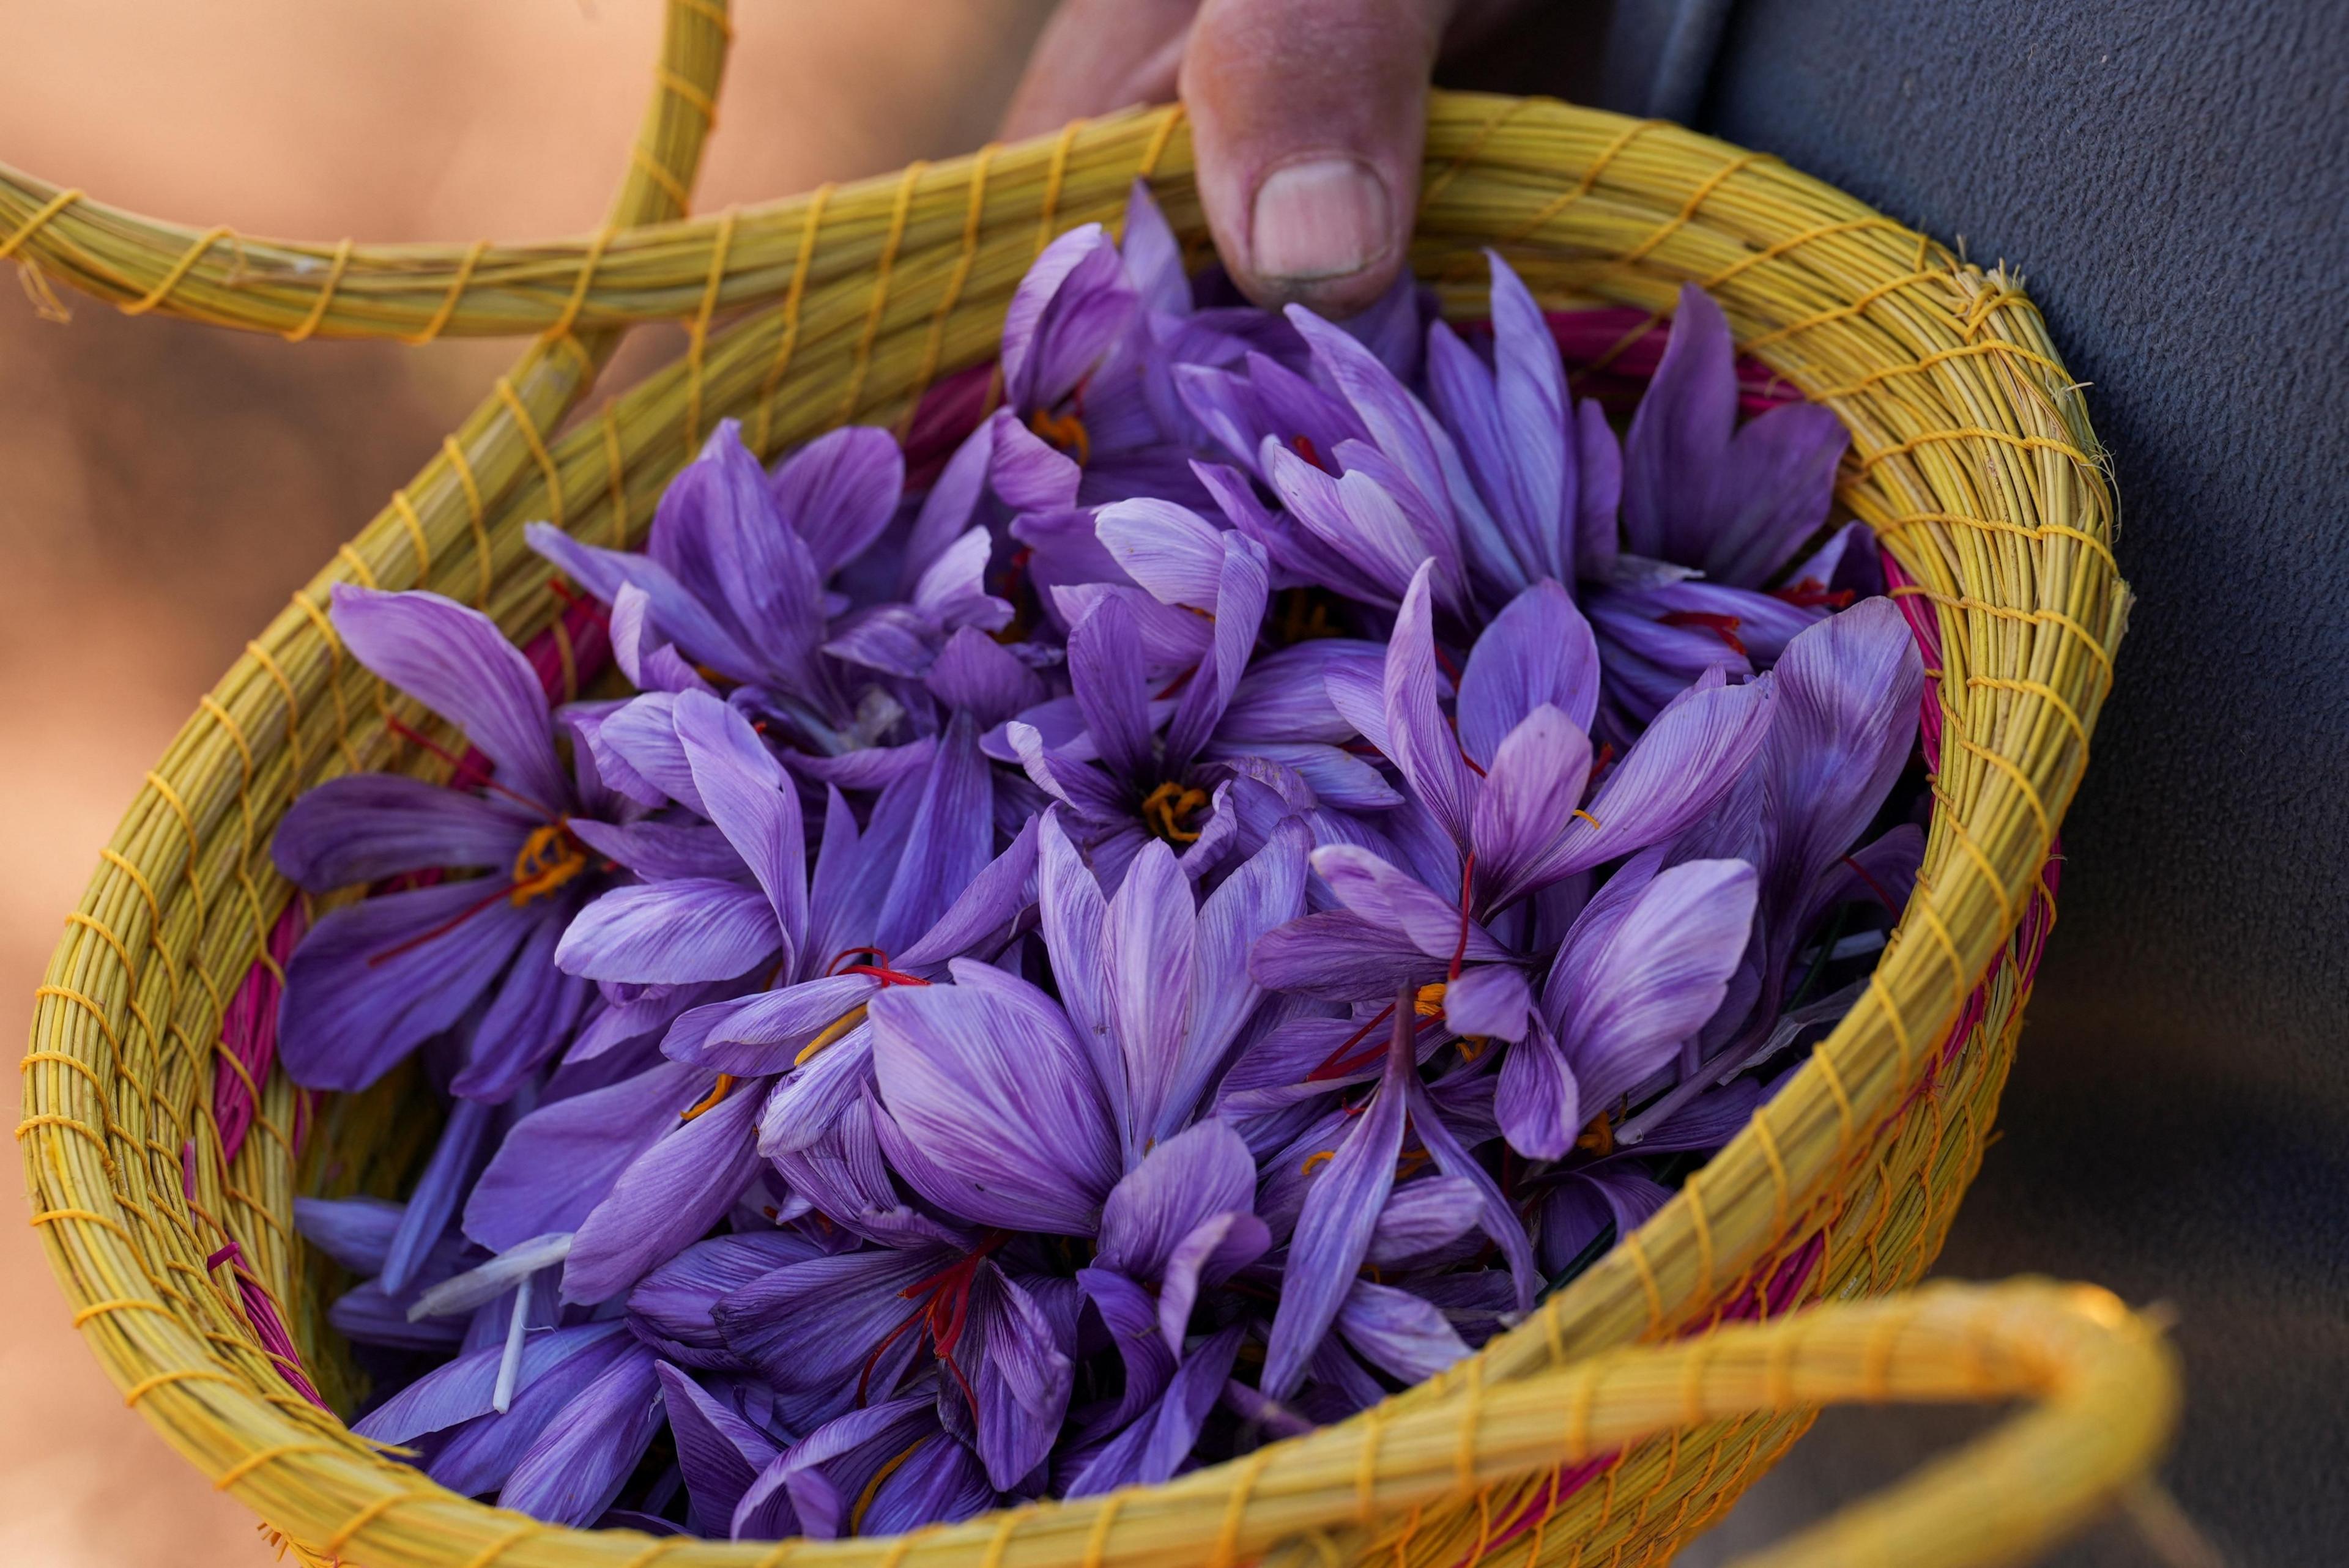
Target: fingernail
1323,219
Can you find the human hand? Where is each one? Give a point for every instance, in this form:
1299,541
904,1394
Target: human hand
1307,120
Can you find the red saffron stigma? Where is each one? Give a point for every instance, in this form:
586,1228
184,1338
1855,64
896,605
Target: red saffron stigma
1721,626
1810,594
1460,953
1304,445
443,929
1874,886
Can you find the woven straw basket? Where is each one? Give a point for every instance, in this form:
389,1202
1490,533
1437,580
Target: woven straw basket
1634,1406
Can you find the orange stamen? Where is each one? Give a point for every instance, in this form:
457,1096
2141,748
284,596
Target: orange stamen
718,1092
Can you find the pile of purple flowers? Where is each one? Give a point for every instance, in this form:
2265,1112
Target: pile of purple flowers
1295,841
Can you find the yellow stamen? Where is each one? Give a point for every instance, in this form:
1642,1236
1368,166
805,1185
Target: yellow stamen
1598,1137
873,1487
1429,1002
1471,1046
1415,1161
717,1092
549,858
1314,1161
832,1032
1168,807
1065,431
1586,816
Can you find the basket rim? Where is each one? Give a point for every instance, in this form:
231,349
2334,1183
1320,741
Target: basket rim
2001,516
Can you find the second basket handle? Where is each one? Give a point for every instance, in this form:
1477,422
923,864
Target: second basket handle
2102,1380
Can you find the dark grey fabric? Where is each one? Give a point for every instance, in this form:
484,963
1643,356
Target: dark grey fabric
2172,178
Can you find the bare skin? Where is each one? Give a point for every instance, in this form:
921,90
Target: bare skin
1307,117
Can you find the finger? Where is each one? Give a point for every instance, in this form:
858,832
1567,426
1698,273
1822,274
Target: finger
1307,117
1095,55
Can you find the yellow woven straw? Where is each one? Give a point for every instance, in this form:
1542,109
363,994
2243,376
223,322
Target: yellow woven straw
1599,1431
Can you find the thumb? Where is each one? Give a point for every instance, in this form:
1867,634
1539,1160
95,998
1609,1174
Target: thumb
1307,117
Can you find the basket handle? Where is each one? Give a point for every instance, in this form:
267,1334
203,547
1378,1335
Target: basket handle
2103,1381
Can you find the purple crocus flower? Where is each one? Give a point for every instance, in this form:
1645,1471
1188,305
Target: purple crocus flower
1012,1112
1713,514
920,873
1846,726
1498,784
374,980
732,589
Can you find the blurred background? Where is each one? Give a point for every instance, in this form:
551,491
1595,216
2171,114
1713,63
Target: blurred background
163,487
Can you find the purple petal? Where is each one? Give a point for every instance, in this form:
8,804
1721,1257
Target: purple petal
1340,956
1131,1317
719,1452
558,1162
975,672
355,1232
675,1302
839,491
460,1390
1285,695
1680,434
1215,1248
1526,805
1539,1102
669,1196
744,791
535,1012
718,530
759,1035
484,1455
1422,1215
1019,1375
1241,596
1690,757
1538,650
810,1326
1265,891
676,611
374,980
1075,303
1074,916
1488,1000
1154,1448
1106,670
365,827
1396,900
1030,475
1153,258
948,842
1334,1228
661,851
1848,693
456,662
575,1470
985,1076
987,909
1148,947
1453,1158
640,737
667,934
942,1483
1622,1007
1203,1170
1401,1334
1417,738
1170,550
